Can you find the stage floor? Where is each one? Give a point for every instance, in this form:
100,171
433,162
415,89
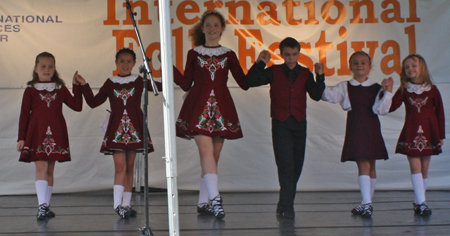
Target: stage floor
317,213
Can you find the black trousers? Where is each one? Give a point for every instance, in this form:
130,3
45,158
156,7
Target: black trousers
289,140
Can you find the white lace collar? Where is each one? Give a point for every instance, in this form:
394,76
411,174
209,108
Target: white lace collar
366,83
124,80
417,88
46,86
215,51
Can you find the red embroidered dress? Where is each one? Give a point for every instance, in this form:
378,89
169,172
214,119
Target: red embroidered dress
125,126
424,120
42,125
208,108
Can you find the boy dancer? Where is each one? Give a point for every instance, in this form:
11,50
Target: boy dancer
289,83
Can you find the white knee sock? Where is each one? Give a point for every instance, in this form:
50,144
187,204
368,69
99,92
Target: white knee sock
373,183
418,186
49,194
364,185
425,183
212,181
118,194
203,193
126,199
41,191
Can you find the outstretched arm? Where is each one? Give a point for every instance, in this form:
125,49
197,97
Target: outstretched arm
383,100
150,87
264,56
338,94
315,88
237,72
397,100
91,100
75,102
257,75
185,81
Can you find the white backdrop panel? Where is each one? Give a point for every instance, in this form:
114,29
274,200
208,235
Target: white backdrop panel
78,34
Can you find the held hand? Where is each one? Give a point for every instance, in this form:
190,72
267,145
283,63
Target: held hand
387,84
74,80
20,145
318,68
264,56
79,79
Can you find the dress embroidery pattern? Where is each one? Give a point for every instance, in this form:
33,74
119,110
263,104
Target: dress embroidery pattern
420,142
126,133
211,119
182,124
26,150
48,98
48,146
105,140
234,128
124,94
418,102
212,64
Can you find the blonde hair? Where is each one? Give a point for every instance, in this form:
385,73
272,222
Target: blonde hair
424,73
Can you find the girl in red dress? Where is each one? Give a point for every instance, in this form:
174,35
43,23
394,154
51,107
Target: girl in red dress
123,136
424,129
364,100
208,113
43,137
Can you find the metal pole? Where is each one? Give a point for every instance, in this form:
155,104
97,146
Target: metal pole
145,231
169,117
146,71
137,173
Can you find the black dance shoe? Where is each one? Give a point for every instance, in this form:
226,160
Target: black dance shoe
122,212
216,204
41,215
205,208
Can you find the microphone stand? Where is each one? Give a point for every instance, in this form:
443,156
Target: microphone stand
146,71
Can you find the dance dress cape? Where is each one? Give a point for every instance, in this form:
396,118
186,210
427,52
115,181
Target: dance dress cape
125,126
208,108
424,126
364,102
42,125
